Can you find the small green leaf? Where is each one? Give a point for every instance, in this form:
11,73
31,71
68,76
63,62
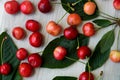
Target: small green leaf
70,45
64,78
102,50
78,8
8,54
102,22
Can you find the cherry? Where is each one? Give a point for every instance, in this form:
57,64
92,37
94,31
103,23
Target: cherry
86,76
21,54
5,69
74,19
32,25
115,56
26,7
88,29
53,28
11,7
70,33
83,52
59,53
116,4
18,33
35,60
89,8
35,39
25,69
44,6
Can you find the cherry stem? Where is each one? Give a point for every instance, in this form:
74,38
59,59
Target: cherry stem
75,60
78,43
108,18
61,18
2,48
73,4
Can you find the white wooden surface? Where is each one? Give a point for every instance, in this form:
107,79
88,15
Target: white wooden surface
8,22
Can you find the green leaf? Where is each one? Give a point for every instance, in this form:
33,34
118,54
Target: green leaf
8,54
102,22
78,8
102,50
70,45
64,78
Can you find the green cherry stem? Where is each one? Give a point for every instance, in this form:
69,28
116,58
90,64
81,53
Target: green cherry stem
108,18
61,18
74,60
78,43
73,4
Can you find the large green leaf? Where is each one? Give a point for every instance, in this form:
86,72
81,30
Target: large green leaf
78,8
102,22
8,54
64,78
102,50
70,45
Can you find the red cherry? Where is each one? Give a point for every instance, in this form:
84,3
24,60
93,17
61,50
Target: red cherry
88,29
21,54
35,39
5,69
59,53
11,7
44,6
25,69
83,52
32,25
86,76
26,7
116,4
70,33
35,60
18,33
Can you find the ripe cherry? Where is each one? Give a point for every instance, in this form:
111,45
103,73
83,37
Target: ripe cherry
44,6
116,4
89,8
70,33
83,52
12,7
26,7
32,25
35,60
25,69
5,69
115,56
86,76
18,33
88,29
59,53
53,28
21,54
74,19
35,39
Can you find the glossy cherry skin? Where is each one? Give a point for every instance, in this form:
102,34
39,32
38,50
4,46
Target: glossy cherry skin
70,33
26,7
18,33
12,7
116,4
83,52
25,69
32,25
5,69
53,28
44,6
86,76
89,8
88,29
21,54
74,19
59,53
115,56
35,39
35,60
